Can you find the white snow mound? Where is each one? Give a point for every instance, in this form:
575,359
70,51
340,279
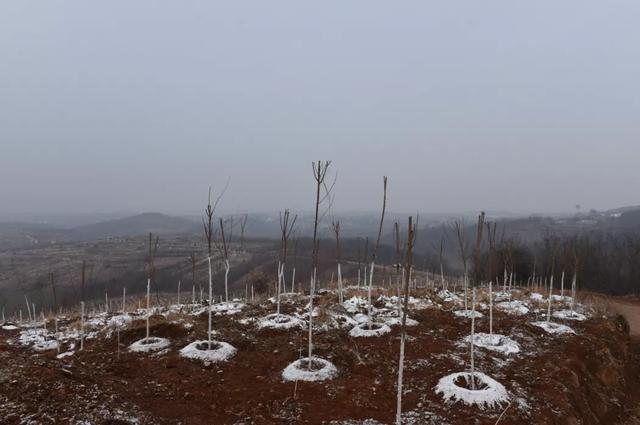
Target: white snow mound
297,371
220,351
468,314
569,315
362,330
493,394
279,321
554,328
499,343
148,345
513,307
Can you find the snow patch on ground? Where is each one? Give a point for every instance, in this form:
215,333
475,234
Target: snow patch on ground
536,297
448,296
10,327
149,345
569,315
279,321
220,351
227,308
499,343
362,330
468,314
554,328
513,307
297,371
493,394
397,321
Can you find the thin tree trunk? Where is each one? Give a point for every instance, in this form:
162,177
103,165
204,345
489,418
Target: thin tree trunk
210,302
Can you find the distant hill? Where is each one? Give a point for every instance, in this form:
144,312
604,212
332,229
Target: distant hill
136,225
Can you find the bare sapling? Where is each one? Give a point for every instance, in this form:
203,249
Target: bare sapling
375,252
153,247
473,329
398,266
562,286
405,309
295,259
490,308
549,299
320,170
440,261
243,225
286,228
179,282
335,225
124,300
462,251
53,291
81,325
208,233
225,253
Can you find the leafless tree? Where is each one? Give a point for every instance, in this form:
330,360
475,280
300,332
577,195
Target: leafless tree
462,251
194,262
153,247
207,223
411,233
375,249
477,265
243,224
286,228
53,292
225,256
335,226
320,170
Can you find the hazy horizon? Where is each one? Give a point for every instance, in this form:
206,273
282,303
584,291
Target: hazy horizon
466,106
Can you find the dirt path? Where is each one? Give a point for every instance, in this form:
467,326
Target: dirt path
630,309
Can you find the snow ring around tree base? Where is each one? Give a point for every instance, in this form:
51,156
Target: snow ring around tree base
554,328
46,345
198,350
148,345
279,321
468,314
569,315
492,394
494,342
297,371
362,330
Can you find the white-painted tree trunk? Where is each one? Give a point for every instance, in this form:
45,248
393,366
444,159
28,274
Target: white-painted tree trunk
369,311
81,325
227,266
340,300
293,280
124,300
549,303
490,308
562,287
179,292
473,328
279,285
311,292
26,300
210,302
573,291
106,302
358,277
148,304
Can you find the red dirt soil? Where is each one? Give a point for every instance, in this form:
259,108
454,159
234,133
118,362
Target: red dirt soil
590,378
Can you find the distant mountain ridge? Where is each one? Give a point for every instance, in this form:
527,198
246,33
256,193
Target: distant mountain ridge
136,225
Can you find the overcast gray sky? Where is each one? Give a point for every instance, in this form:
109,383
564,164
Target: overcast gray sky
140,105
